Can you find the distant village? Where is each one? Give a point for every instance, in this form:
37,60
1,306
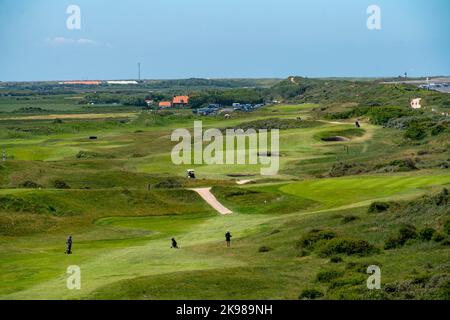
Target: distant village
181,101
211,109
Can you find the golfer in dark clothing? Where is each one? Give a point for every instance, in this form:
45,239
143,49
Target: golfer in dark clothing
174,244
69,245
228,238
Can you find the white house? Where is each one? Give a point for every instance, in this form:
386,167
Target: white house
415,103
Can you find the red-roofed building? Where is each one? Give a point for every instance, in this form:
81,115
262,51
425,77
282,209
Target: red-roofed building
165,104
180,100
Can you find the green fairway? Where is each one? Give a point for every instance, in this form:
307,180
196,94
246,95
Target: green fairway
352,191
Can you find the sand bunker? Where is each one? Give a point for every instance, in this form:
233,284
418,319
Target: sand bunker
335,139
237,175
268,154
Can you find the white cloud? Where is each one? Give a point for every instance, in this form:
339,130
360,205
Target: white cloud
70,41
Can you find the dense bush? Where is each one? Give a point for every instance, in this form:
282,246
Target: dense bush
438,129
348,218
352,113
309,239
404,164
170,183
59,184
226,97
340,169
426,234
382,115
343,169
346,246
416,131
405,233
447,226
438,237
442,198
134,101
30,184
419,126
336,259
378,206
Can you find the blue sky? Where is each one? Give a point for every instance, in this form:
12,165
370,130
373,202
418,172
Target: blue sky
222,39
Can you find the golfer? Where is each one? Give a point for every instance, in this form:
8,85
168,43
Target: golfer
69,245
228,238
174,244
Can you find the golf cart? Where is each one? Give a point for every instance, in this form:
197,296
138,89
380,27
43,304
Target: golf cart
190,173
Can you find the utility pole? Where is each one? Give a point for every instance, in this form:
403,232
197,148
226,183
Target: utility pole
139,71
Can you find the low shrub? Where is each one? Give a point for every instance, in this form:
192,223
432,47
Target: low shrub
335,259
30,184
407,164
170,183
382,115
438,237
438,129
60,184
392,243
86,155
348,281
309,239
264,249
442,198
341,169
426,234
405,233
416,131
327,276
378,206
275,123
447,226
348,218
361,267
310,294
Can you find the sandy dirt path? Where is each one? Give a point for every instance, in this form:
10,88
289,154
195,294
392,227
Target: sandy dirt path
243,181
206,194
